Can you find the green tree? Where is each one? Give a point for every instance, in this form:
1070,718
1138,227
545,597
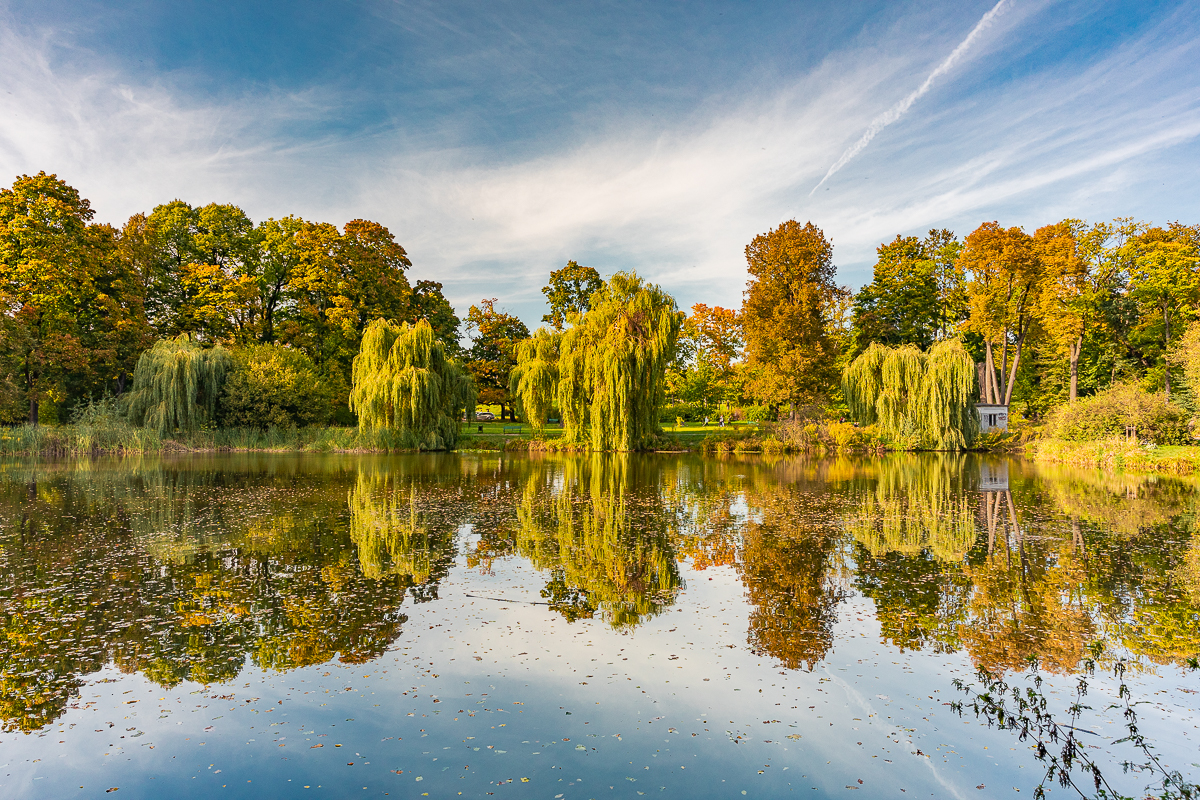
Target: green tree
787,316
921,398
613,362
916,294
176,385
1165,283
494,337
274,385
343,281
45,272
534,378
112,325
404,381
373,284
569,293
429,304
280,258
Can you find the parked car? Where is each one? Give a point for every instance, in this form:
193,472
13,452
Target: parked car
484,416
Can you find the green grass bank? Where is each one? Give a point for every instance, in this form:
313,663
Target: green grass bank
1118,453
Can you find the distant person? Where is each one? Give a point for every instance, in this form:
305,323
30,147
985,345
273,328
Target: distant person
722,420
706,422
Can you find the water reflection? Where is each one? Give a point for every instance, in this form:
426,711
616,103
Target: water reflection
190,569
601,531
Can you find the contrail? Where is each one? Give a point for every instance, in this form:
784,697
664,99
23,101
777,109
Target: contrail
895,112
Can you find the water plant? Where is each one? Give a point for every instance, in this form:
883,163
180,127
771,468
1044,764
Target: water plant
1055,741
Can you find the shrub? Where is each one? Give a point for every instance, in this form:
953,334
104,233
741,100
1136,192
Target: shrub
845,436
688,412
758,413
276,386
1113,411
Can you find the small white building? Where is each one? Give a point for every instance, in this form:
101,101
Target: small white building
992,417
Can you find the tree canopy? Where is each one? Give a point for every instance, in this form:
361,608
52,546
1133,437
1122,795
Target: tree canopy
176,385
494,337
924,397
569,293
404,381
787,314
609,380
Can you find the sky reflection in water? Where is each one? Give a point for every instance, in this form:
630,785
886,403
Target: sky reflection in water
572,627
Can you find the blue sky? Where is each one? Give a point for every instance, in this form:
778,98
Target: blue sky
498,140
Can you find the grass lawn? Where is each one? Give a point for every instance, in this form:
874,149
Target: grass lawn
495,432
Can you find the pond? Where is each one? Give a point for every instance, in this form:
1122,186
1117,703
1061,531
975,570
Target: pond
483,624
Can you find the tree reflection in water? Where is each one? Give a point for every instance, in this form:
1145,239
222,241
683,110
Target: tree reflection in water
599,526
189,570
1044,567
179,572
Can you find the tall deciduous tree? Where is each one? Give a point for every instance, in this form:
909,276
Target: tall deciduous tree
1166,283
280,259
112,324
494,335
44,273
429,304
569,293
916,294
1067,297
787,315
710,342
1003,289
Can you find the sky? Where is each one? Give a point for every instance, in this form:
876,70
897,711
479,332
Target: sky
499,140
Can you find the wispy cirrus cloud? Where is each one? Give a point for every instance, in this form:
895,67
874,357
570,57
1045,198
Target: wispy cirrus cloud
895,112
676,198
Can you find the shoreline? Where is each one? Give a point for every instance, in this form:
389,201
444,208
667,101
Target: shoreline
1117,453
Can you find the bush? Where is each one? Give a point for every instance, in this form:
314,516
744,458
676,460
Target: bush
848,437
276,386
757,413
689,412
1113,411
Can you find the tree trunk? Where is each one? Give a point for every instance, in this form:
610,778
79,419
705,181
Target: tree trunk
1004,383
1075,349
30,380
1012,376
990,373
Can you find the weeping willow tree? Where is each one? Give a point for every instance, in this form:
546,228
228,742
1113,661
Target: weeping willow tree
534,379
608,380
925,398
176,384
404,381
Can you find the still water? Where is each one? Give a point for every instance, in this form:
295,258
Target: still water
483,625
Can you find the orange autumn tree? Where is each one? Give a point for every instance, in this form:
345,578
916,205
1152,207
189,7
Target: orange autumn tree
1003,290
789,314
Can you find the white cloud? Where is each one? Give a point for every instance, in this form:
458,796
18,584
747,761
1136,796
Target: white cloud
678,201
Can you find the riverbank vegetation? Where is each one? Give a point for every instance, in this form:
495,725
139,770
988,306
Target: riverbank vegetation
262,324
